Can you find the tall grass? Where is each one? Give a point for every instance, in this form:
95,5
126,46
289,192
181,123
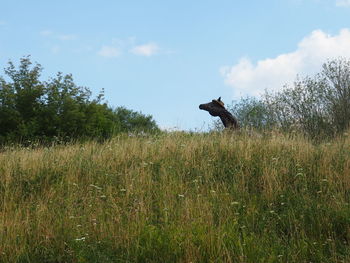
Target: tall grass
177,198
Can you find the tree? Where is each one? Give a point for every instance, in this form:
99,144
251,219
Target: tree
317,106
303,107
31,109
134,121
23,95
252,113
336,76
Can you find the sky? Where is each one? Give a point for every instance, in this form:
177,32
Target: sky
164,58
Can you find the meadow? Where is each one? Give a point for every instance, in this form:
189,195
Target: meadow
177,197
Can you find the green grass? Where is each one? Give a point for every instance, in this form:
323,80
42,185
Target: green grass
177,198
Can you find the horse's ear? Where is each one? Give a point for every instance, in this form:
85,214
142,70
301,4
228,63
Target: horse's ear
219,99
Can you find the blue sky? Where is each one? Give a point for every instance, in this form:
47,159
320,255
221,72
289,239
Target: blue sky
164,58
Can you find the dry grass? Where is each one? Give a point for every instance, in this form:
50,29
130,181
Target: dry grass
177,198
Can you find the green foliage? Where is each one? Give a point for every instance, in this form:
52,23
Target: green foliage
134,121
336,79
252,112
31,109
318,106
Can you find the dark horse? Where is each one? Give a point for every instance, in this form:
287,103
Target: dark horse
216,108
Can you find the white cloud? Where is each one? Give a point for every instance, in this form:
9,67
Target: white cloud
66,37
109,52
145,50
248,78
55,49
119,46
62,37
46,33
124,42
343,3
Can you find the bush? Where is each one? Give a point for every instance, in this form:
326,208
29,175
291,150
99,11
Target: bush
318,106
31,109
253,113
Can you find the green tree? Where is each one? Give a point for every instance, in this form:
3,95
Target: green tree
134,121
9,116
317,106
65,107
253,113
23,94
303,107
336,78
31,109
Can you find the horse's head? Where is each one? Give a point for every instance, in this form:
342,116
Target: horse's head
214,107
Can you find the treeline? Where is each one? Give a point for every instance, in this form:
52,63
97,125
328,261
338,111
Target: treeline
58,109
318,106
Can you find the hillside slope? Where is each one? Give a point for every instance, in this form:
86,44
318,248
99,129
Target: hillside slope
177,198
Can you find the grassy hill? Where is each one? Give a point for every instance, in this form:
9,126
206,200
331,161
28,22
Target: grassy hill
177,198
